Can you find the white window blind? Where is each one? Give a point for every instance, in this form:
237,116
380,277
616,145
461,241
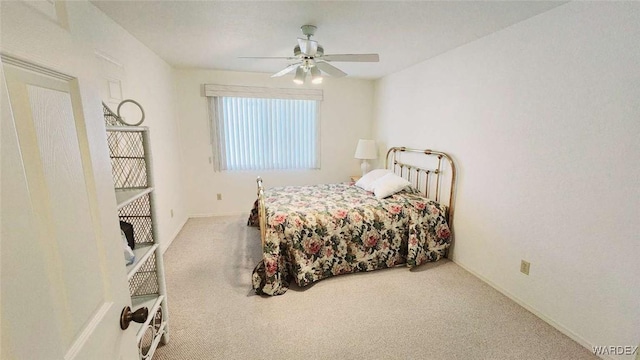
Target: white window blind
255,133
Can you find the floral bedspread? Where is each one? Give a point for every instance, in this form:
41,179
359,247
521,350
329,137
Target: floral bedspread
315,232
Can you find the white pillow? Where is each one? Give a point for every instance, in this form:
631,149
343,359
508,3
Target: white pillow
389,185
369,178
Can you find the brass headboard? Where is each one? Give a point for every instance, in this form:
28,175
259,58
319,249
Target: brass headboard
427,179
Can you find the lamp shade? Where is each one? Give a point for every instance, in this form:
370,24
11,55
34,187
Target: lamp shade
366,150
316,76
300,75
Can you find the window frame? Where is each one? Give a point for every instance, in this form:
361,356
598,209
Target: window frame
217,140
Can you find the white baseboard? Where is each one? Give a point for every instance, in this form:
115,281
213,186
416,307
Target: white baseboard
164,247
575,337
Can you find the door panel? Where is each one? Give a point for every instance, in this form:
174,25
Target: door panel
23,269
69,210
62,289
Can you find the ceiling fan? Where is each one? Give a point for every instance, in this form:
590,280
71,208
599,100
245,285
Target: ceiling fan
310,58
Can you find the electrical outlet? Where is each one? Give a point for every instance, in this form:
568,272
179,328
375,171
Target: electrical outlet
524,267
219,196
171,212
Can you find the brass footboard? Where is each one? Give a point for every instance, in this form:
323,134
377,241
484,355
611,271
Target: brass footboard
262,214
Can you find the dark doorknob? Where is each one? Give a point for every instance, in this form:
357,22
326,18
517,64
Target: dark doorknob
138,316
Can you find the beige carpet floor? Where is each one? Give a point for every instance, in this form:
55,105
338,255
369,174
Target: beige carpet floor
437,311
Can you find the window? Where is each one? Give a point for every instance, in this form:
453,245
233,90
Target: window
274,130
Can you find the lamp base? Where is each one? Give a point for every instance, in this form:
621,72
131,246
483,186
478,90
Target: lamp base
365,167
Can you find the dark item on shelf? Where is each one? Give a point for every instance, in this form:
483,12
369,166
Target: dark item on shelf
128,233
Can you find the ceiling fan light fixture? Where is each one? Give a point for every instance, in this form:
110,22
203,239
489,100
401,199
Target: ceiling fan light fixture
300,75
316,76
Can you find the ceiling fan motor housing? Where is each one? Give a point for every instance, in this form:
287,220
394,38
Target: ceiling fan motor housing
297,52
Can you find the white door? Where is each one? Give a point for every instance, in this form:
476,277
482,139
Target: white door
63,283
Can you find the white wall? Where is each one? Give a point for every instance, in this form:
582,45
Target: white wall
345,116
543,119
29,34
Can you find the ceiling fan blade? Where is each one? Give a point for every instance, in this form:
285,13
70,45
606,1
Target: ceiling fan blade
269,57
352,57
330,69
286,70
308,47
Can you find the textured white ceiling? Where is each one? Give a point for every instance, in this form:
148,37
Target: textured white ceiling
212,35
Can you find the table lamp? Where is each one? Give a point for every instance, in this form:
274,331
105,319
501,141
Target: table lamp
366,151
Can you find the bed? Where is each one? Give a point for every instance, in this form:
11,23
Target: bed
309,233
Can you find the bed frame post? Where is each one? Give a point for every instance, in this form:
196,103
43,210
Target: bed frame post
438,172
262,215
